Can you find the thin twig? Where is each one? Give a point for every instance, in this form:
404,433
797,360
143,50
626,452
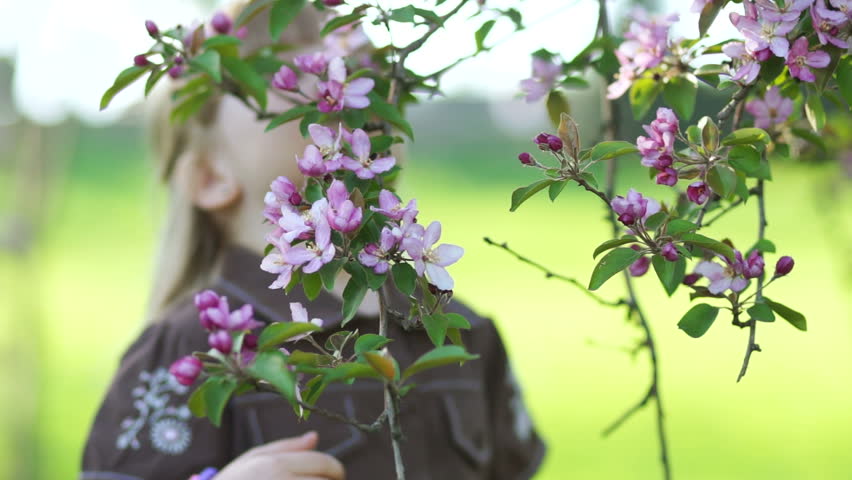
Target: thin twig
612,125
629,413
550,274
391,396
761,231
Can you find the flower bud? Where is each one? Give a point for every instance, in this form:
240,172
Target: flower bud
250,341
179,60
141,61
763,55
555,143
541,139
285,79
332,3
668,176
221,340
221,23
669,252
526,158
698,192
186,370
176,71
640,266
295,199
152,28
784,266
206,299
689,280
753,265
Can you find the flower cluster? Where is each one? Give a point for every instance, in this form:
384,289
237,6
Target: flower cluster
646,46
302,238
773,109
766,27
733,275
635,208
325,81
657,149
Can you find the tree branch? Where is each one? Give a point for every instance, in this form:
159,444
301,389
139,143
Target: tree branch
752,345
550,274
391,396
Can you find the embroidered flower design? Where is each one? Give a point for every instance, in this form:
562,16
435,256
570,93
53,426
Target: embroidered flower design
169,431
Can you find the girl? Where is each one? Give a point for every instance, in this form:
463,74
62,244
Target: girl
460,423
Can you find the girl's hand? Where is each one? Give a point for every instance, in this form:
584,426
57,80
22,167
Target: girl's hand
288,459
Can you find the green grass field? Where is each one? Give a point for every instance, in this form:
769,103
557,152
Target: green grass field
82,293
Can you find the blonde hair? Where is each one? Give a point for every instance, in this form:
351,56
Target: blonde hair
191,243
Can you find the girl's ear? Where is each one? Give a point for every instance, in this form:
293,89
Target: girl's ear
209,181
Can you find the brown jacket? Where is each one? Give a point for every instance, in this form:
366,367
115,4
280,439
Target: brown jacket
460,423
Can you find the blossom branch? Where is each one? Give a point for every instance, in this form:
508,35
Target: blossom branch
550,274
761,230
611,128
391,396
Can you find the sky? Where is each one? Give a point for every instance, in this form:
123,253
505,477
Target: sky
68,52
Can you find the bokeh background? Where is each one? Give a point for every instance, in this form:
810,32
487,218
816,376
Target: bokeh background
79,221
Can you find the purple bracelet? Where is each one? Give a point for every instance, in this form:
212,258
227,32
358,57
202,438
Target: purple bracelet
206,474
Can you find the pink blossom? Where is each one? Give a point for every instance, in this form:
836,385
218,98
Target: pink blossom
214,313
724,277
544,73
634,208
828,24
313,164
275,263
376,256
790,12
623,81
640,266
221,23
698,192
285,79
365,165
763,34
342,214
337,94
657,149
749,67
186,370
315,63
772,110
346,40
431,260
391,207
645,47
300,315
800,58
283,195
752,267
313,254
669,252
667,176
303,224
221,340
845,7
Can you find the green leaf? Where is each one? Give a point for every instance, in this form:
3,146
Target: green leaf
197,403
455,320
722,180
381,143
354,118
155,77
815,112
610,150
370,341
557,104
746,159
209,62
190,106
655,220
440,356
312,285
403,15
555,189
670,273
348,371
795,318
277,333
218,41
612,263
436,328
746,136
390,113
761,312
296,112
643,94
844,77
698,320
353,295
710,244
521,195
251,10
124,79
615,242
763,245
283,13
574,82
708,15
382,364
404,277
340,21
248,77
680,92
679,226
482,33
272,367
328,273
709,134
216,396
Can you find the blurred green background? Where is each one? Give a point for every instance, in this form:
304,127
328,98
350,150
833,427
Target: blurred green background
75,283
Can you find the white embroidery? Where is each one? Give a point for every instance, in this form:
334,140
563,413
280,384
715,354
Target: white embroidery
523,423
167,424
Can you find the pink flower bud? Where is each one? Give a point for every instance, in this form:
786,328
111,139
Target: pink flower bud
242,33
141,61
542,141
555,143
295,199
526,158
250,341
221,340
179,60
753,265
176,71
332,3
221,23
698,192
206,299
186,370
784,266
152,28
690,279
640,267
669,252
285,79
668,176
